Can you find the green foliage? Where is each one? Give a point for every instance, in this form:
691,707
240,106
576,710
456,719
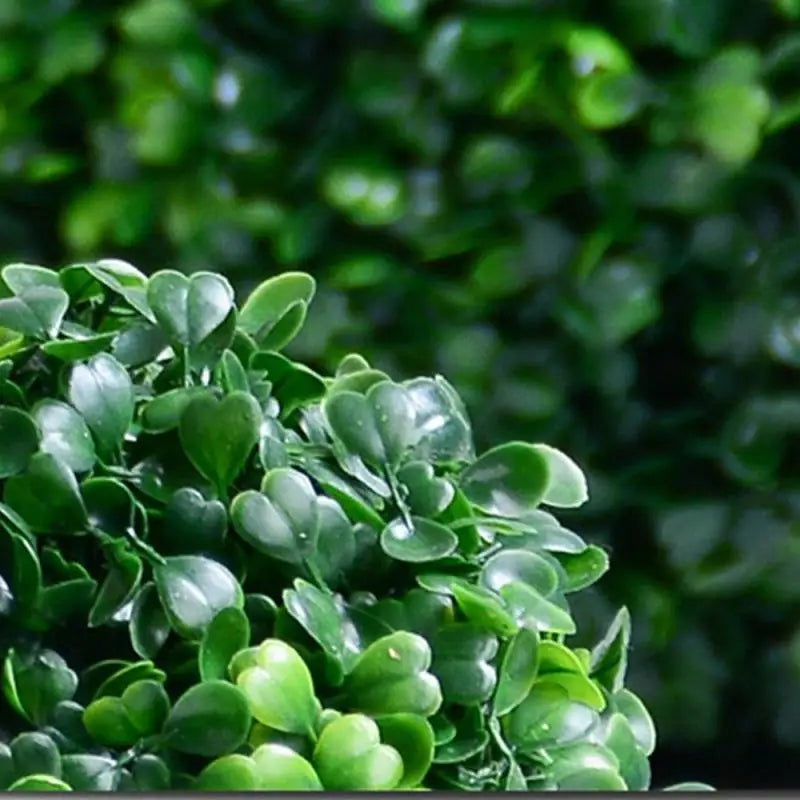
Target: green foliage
584,214
240,642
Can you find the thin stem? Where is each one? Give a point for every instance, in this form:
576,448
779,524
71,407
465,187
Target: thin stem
399,501
316,575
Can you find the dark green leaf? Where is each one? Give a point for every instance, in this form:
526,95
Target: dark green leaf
149,626
65,434
36,312
462,654
518,671
227,633
427,541
118,588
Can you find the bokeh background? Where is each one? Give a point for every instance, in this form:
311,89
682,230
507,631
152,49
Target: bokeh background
584,214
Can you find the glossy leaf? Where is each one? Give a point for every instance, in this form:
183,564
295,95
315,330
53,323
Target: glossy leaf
36,311
426,541
194,524
210,719
227,634
19,440
609,660
518,671
412,737
462,656
566,485
193,589
507,480
149,625
280,768
218,435
279,689
65,435
231,773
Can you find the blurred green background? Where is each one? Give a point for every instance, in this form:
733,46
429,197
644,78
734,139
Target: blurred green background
584,214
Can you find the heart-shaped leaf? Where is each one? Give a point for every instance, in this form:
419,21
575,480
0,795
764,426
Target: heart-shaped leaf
268,306
64,434
36,312
35,753
391,676
349,756
19,440
325,620
101,390
193,524
47,476
427,494
210,719
507,480
279,768
218,435
532,609
227,634
193,589
147,705
518,671
378,426
282,520
280,689
138,343
190,310
232,773
426,541
461,656
412,737
108,723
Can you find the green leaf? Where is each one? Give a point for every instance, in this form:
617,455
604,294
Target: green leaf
189,310
445,431
218,435
35,683
689,786
78,348
64,434
124,279
427,541
531,609
593,779
511,565
412,737
268,306
35,753
634,767
325,621
461,661
108,723
138,343
19,440
280,689
163,413
609,660
39,783
48,477
86,772
349,756
566,485
427,494
639,719
20,277
584,568
336,542
151,774
36,312
484,608
118,588
232,773
547,716
279,768
119,679
507,480
210,719
192,590
378,426
194,524
391,676
101,390
281,521
147,705
227,633
518,671
149,625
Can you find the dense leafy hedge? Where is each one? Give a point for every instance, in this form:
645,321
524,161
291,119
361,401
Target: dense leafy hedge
224,571
585,215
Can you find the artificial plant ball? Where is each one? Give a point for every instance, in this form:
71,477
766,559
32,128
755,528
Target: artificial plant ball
222,570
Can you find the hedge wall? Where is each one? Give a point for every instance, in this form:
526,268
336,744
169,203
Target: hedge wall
584,214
